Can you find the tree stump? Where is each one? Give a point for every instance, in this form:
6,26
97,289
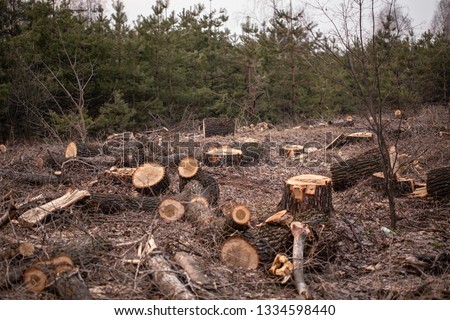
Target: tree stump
188,167
239,218
347,173
151,178
306,192
210,187
438,182
239,253
223,156
401,185
77,149
218,127
291,151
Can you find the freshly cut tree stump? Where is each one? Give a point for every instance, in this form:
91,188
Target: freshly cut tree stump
37,215
223,156
218,127
237,252
151,178
438,182
342,139
291,151
347,173
401,185
77,149
306,192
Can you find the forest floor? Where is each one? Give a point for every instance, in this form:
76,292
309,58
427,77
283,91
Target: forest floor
367,264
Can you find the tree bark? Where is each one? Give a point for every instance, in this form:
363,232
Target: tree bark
438,182
31,178
307,192
347,173
299,231
112,203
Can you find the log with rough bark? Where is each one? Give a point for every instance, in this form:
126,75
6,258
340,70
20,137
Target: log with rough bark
59,273
151,178
239,217
112,203
223,156
192,202
77,149
291,151
307,192
218,127
239,253
31,178
299,231
210,186
347,173
438,182
37,215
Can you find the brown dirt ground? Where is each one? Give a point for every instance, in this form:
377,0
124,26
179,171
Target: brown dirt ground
366,264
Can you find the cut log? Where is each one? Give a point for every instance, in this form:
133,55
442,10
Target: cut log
188,263
438,182
188,167
77,149
239,253
299,231
397,114
223,156
15,210
124,174
345,174
239,218
171,210
307,192
56,161
210,187
24,249
35,279
151,178
37,215
291,151
269,240
61,274
2,148
31,178
112,203
218,127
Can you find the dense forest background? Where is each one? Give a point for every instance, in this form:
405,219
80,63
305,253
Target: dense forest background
68,70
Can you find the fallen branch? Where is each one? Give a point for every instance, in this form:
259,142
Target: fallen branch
299,231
